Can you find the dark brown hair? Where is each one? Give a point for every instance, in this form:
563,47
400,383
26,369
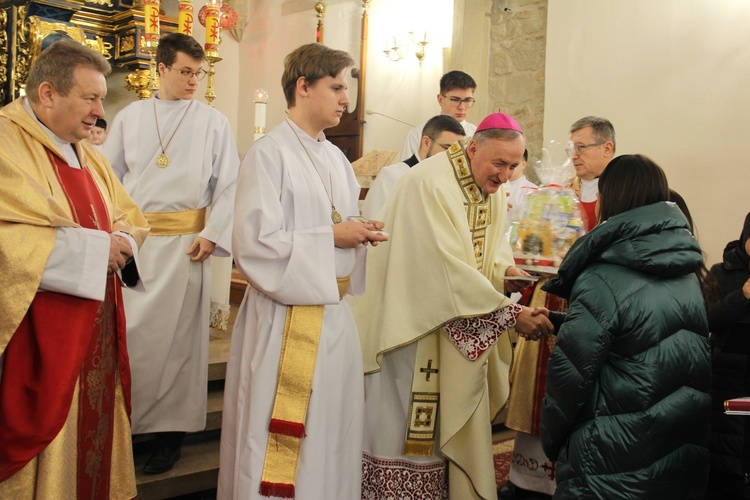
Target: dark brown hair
628,182
171,44
456,80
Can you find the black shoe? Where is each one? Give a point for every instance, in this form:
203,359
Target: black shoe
510,491
161,460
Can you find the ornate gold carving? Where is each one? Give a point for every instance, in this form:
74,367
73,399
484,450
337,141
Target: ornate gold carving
138,81
4,51
40,29
100,46
105,3
23,59
127,44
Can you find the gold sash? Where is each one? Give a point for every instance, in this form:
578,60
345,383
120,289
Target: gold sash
425,398
175,223
299,350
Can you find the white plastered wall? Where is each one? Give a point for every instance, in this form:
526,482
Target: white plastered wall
672,76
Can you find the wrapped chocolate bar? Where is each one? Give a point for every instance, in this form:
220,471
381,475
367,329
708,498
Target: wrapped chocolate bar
552,219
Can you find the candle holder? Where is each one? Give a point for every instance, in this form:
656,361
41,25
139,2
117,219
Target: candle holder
138,82
149,47
210,94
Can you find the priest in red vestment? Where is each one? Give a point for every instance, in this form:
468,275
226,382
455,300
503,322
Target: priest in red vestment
69,236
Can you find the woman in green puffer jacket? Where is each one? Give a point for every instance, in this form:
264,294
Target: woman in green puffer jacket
627,405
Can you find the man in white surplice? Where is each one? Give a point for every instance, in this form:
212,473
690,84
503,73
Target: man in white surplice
299,258
178,160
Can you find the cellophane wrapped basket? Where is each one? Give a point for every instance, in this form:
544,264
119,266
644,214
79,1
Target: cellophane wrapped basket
552,220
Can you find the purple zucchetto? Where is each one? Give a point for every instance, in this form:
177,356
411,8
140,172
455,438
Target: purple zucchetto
499,120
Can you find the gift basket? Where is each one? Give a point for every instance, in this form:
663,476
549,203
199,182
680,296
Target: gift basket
552,220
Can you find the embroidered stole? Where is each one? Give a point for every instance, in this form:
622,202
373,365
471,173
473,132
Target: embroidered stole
425,393
64,340
299,352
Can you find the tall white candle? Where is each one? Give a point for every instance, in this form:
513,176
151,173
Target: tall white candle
261,101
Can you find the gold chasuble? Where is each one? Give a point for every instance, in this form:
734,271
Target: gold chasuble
445,260
78,390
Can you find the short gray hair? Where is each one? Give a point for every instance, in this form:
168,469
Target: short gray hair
504,134
603,129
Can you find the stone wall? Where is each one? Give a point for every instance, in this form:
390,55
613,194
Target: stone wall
518,42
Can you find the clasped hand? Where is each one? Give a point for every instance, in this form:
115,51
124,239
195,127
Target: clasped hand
119,252
533,324
352,233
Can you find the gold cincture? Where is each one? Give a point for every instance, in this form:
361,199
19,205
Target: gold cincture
175,223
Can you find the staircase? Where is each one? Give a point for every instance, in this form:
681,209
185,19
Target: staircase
195,475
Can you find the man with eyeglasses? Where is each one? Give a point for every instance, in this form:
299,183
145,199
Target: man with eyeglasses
437,136
456,98
178,160
591,147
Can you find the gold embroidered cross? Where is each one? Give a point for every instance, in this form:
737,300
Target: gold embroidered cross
429,370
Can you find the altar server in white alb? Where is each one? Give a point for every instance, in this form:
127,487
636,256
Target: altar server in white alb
177,158
294,394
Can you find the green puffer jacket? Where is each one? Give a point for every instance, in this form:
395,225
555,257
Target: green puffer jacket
627,406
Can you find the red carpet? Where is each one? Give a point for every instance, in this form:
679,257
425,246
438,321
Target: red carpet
503,454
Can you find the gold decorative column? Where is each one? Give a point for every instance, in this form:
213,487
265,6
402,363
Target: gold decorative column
320,9
213,32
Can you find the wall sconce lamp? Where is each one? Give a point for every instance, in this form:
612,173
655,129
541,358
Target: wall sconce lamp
399,51
394,53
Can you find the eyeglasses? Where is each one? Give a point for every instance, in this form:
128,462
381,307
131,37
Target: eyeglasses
579,149
444,146
187,75
457,101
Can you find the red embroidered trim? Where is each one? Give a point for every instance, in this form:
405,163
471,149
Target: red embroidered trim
388,478
287,428
473,336
282,490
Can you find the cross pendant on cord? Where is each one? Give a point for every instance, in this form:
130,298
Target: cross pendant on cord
429,370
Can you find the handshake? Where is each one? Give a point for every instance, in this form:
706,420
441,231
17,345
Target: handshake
533,324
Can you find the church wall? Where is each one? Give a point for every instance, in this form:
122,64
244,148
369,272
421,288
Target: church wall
470,50
401,89
672,77
517,67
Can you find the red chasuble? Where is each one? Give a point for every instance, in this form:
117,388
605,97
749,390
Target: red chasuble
63,340
589,209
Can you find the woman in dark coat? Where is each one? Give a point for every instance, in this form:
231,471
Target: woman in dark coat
729,321
627,405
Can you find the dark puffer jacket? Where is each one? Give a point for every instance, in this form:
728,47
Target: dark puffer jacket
627,406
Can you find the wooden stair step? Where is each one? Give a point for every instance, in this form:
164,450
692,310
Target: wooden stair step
214,407
196,470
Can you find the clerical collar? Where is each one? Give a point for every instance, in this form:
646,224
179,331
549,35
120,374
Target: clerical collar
589,190
66,148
